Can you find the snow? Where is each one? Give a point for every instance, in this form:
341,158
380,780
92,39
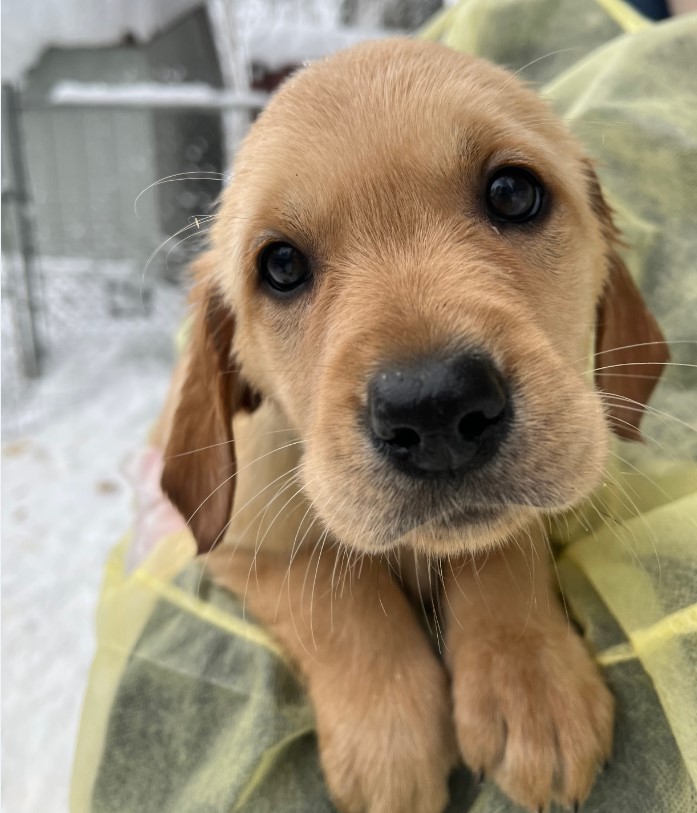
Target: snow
29,28
152,94
276,34
275,47
66,502
279,46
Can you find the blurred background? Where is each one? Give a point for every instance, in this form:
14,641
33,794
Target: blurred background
120,119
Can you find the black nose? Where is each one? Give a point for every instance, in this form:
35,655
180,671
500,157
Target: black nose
439,417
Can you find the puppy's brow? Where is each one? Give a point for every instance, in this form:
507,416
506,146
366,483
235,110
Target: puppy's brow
285,222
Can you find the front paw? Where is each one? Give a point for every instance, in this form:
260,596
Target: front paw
387,745
532,712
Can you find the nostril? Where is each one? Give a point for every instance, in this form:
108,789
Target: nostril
404,438
472,425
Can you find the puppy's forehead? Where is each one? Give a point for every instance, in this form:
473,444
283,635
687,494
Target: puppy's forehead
383,138
395,106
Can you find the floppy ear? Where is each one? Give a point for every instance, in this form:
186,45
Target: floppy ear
200,464
630,350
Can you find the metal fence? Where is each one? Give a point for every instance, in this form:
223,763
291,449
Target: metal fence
95,249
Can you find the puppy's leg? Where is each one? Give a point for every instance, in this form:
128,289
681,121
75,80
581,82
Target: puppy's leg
380,695
531,709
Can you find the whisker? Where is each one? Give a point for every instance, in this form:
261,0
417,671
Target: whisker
295,550
545,538
643,377
641,407
632,507
535,61
531,572
380,559
421,596
154,254
260,542
604,518
237,511
218,487
350,554
300,638
643,364
196,175
435,599
478,580
668,454
314,585
666,342
456,578
228,442
453,614
253,563
198,233
235,473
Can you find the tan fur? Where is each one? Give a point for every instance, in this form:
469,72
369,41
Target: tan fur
379,692
374,163
531,710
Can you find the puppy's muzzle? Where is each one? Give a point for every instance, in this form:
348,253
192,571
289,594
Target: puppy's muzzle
439,417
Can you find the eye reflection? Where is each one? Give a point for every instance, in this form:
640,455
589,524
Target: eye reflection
283,267
514,195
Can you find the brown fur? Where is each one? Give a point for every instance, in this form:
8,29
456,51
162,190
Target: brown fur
373,164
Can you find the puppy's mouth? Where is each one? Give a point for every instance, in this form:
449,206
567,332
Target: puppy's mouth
470,515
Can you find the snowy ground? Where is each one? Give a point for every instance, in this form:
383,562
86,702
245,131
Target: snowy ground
65,504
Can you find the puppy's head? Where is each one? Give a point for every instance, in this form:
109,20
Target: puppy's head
416,263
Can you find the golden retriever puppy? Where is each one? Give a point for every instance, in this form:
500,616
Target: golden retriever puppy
407,280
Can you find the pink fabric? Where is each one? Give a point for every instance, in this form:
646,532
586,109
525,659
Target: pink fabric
155,516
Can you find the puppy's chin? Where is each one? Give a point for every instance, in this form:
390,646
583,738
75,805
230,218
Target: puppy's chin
473,530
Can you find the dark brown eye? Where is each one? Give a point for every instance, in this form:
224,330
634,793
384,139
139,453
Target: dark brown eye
514,195
283,267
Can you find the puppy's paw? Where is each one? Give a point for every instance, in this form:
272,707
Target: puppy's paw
532,713
387,745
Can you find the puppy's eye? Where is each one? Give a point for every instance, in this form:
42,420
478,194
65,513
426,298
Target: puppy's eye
283,267
514,194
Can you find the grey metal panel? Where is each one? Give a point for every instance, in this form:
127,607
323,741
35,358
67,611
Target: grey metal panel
88,166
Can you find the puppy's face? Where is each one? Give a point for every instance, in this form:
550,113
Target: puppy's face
414,249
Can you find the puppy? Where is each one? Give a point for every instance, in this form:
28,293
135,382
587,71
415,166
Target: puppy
407,280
